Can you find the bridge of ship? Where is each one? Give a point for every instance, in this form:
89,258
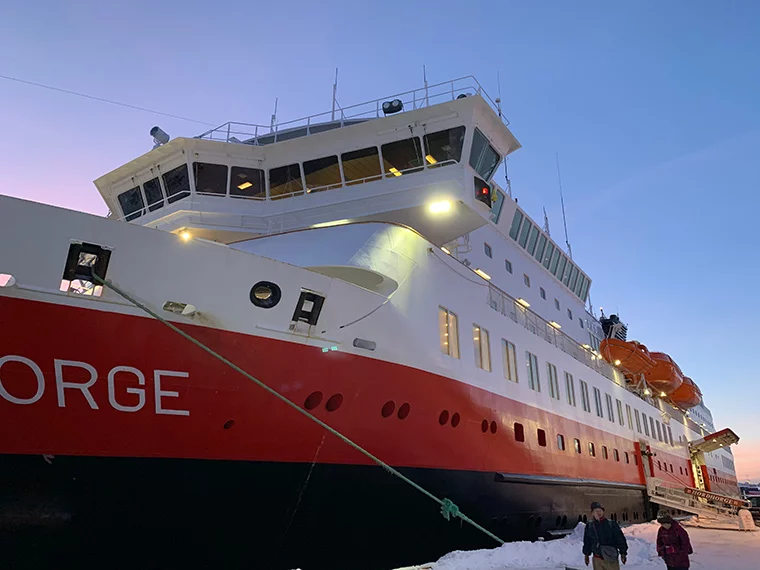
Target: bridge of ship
429,166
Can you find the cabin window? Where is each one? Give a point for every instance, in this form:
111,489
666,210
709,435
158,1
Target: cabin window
541,437
285,181
570,389
539,254
585,400
482,346
534,382
247,183
598,402
556,304
610,411
638,420
560,442
670,437
621,421
627,459
630,417
646,424
153,194
519,432
524,232
514,229
651,425
510,360
131,203
483,158
487,248
449,332
551,371
577,445
548,255
570,314
659,431
526,279
361,166
616,455
508,265
542,292
210,178
322,174
604,452
443,147
402,157
580,323
591,449
177,183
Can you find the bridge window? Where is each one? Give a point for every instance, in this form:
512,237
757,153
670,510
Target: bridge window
210,178
532,240
548,254
285,181
483,158
514,229
443,147
247,183
402,157
361,166
153,194
177,183
524,233
322,174
131,203
561,268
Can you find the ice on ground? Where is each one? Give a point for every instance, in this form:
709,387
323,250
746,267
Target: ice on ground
713,550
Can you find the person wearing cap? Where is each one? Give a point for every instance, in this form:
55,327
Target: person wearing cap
604,540
673,544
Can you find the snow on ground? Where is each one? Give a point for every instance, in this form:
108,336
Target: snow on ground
713,550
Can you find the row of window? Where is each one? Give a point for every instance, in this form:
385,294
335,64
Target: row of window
526,279
355,167
519,431
536,243
613,409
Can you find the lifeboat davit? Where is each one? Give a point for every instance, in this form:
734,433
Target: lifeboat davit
631,357
687,395
665,377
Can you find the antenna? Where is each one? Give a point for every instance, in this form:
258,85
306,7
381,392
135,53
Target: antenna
564,218
274,117
335,94
424,76
506,175
498,99
546,224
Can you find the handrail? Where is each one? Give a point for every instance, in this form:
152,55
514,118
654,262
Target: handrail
504,303
414,99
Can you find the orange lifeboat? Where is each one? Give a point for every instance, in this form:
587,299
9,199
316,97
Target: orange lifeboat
665,377
631,357
687,395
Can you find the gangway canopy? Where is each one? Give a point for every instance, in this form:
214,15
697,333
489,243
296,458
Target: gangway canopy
722,438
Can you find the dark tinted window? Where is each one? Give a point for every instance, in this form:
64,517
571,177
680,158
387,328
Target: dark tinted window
444,146
131,203
516,221
524,233
548,254
402,157
247,182
285,181
153,194
483,158
519,432
322,174
210,178
177,183
541,437
361,165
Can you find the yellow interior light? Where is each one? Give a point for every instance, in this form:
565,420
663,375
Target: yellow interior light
523,302
430,159
483,274
555,324
331,224
394,171
662,394
647,392
440,207
185,235
244,185
617,363
446,251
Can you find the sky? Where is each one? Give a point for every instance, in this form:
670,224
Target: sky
651,106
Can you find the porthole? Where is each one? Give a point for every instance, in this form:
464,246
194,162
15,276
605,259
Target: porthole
388,409
443,418
265,294
455,420
228,424
484,426
493,427
334,402
403,411
313,400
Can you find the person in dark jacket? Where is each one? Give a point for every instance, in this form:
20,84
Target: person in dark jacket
604,540
673,544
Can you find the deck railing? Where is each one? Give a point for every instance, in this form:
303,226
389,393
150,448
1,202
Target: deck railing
415,99
500,301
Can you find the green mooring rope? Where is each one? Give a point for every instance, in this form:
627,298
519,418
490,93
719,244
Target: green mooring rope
448,508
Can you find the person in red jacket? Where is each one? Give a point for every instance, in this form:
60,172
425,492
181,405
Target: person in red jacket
673,544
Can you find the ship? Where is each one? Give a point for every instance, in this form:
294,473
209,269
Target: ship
167,371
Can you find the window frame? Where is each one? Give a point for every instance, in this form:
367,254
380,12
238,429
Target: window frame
598,402
570,389
481,347
509,358
554,391
448,322
585,396
534,379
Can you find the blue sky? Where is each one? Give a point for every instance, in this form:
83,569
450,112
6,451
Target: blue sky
652,107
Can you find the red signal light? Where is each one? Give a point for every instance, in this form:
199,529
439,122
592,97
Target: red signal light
484,191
